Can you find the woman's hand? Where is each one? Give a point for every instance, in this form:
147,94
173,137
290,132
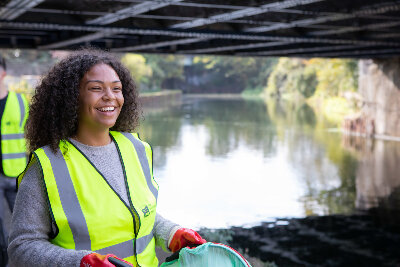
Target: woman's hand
184,237
97,260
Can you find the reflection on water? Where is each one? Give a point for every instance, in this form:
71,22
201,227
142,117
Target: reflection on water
229,161
377,177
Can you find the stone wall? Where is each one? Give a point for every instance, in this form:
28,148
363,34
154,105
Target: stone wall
379,86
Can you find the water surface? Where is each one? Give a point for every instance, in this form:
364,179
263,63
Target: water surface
226,161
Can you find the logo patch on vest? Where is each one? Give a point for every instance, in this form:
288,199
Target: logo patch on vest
146,211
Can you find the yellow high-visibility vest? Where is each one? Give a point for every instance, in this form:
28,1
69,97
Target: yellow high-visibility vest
13,145
88,212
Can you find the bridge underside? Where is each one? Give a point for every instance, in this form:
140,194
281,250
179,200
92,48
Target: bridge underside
298,28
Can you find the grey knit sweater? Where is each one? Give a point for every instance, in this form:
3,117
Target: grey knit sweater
31,225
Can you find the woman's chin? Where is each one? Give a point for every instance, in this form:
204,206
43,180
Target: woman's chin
107,124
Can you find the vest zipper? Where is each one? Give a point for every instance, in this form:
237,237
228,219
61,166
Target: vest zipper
132,208
134,218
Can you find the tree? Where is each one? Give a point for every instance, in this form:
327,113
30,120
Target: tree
324,77
237,73
136,64
292,76
335,76
163,67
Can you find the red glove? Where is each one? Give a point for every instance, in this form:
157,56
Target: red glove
184,237
97,260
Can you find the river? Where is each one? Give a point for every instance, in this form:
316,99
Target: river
227,161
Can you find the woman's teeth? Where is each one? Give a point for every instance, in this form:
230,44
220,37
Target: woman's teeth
106,109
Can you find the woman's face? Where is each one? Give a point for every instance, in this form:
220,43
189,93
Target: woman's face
100,98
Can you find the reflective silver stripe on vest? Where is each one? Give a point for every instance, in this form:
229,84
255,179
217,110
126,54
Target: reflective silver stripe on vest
125,249
141,152
21,108
13,155
69,200
12,136
143,242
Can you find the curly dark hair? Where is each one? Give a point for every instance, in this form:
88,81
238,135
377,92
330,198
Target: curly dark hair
53,114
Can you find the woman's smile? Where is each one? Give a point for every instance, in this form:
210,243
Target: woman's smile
106,109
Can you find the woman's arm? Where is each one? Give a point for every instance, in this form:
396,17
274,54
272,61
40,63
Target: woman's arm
29,243
163,229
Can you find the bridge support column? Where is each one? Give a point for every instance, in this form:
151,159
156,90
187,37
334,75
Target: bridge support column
379,86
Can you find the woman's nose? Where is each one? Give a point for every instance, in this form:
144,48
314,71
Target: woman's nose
108,93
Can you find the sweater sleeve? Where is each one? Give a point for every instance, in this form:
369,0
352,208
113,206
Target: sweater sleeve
31,227
163,229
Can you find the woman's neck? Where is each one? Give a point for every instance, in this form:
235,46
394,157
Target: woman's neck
98,138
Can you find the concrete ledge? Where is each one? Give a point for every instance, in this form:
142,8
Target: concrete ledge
150,99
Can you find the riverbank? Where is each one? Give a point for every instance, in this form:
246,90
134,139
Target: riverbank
335,240
156,98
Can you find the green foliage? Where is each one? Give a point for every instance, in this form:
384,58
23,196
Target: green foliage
335,76
163,67
292,76
321,77
336,108
307,82
151,71
262,72
247,73
136,64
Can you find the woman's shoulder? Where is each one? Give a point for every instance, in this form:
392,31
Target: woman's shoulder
119,133
31,174
132,137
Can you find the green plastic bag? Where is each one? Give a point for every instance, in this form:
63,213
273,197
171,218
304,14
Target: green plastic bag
208,255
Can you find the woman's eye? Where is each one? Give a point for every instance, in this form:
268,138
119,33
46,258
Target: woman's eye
117,88
95,88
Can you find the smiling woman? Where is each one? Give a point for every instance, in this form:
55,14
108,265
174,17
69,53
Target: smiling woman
88,193
101,101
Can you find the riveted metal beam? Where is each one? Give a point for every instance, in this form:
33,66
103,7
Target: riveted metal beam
232,48
130,11
251,11
81,39
15,8
371,10
192,33
156,45
303,50
355,54
374,26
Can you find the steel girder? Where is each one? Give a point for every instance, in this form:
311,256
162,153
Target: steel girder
194,34
372,10
251,11
15,8
130,11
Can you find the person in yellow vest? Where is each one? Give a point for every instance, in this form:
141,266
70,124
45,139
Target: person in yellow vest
88,195
13,114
